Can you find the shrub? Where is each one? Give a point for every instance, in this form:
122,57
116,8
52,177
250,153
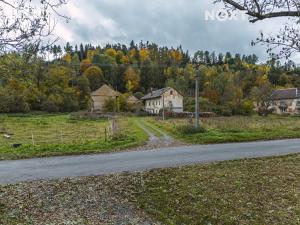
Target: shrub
12,101
190,129
110,105
120,137
50,106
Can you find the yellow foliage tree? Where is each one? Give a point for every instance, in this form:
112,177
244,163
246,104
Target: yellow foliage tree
176,56
67,58
125,60
144,54
132,78
111,52
91,54
85,64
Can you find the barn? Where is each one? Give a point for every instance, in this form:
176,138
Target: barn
100,96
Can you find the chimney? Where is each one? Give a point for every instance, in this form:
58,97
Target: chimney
151,90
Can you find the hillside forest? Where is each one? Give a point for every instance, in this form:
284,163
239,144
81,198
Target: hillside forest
229,83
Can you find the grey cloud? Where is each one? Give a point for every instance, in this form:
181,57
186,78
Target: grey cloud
166,22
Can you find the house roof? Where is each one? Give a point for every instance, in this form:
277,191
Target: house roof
105,90
132,98
155,94
281,94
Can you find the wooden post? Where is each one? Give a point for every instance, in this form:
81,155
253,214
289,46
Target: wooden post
32,139
197,110
61,136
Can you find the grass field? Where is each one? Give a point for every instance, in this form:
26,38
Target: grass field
254,191
48,135
233,129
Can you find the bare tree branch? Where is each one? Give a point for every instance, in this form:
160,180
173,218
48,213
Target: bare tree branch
27,22
287,41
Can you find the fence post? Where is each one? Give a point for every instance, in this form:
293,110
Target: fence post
61,136
32,139
105,134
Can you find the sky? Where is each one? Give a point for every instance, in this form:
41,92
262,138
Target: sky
165,22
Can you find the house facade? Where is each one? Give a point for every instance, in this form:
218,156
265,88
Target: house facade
100,96
285,101
167,98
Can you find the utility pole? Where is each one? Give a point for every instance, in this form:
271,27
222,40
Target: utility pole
197,110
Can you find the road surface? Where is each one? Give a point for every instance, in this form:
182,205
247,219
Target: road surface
73,166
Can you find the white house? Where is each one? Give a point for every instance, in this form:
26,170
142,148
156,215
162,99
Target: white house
285,101
167,98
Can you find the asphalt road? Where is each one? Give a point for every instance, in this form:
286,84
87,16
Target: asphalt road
72,166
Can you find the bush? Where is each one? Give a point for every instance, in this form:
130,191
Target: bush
50,106
70,101
247,108
223,110
110,105
12,101
121,137
189,129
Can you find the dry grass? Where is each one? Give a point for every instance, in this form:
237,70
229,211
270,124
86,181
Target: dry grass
55,135
49,129
234,129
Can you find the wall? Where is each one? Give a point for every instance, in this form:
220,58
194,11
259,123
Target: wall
172,99
292,107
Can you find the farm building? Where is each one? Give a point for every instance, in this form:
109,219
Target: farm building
167,97
100,96
132,100
285,101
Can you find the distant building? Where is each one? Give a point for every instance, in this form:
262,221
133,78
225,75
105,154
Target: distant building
286,101
168,97
100,96
133,100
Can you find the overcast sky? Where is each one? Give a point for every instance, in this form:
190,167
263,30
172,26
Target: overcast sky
165,22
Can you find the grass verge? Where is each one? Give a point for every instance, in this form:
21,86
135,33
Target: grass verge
233,129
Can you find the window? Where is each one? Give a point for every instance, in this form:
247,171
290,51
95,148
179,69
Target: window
171,92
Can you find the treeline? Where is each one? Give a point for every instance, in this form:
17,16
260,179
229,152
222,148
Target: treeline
229,83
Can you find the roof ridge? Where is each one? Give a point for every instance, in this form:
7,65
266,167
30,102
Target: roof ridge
282,89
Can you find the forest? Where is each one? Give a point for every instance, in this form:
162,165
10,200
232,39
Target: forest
62,79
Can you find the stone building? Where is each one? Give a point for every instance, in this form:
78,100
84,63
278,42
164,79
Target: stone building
103,94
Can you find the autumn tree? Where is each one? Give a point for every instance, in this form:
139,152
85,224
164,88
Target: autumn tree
60,96
132,79
261,96
85,64
83,91
95,76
